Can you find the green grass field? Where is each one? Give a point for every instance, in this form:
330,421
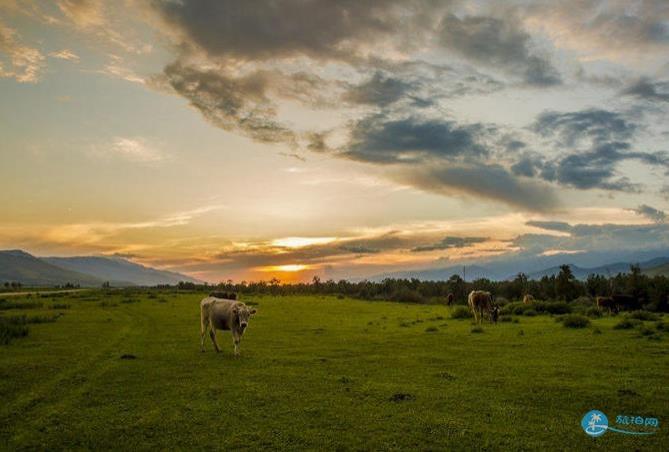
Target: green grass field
320,373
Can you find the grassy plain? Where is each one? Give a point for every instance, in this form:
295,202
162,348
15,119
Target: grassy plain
123,370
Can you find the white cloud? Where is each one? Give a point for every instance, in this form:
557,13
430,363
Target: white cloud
136,150
65,54
18,61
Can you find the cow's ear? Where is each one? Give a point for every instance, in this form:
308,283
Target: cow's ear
235,309
253,311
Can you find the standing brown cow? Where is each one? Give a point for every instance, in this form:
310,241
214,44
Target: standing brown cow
479,302
528,299
607,303
449,299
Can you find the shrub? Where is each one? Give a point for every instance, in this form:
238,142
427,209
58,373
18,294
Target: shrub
59,306
530,312
129,300
407,296
593,312
431,329
626,324
5,305
477,329
557,307
645,331
10,331
642,315
461,312
661,326
575,321
505,318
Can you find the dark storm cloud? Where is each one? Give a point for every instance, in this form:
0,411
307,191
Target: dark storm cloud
651,213
592,168
594,124
649,90
238,104
379,139
380,90
498,43
450,242
282,28
489,181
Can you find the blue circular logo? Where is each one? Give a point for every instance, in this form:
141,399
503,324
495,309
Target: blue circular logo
595,423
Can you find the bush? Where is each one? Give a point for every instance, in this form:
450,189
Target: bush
431,329
557,307
530,312
5,305
477,329
460,312
593,312
505,318
642,315
59,306
575,321
626,324
645,331
405,295
10,331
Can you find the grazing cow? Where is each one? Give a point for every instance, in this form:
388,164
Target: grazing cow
479,302
528,299
222,314
617,303
449,299
607,303
626,303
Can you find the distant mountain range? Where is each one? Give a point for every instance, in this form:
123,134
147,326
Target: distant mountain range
87,271
500,271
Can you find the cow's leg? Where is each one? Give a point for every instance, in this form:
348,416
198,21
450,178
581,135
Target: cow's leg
203,331
236,339
212,335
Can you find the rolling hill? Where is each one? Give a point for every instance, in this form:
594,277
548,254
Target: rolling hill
118,271
17,265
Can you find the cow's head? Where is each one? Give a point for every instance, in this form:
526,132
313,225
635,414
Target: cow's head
243,313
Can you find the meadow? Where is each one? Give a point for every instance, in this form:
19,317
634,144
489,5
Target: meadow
123,370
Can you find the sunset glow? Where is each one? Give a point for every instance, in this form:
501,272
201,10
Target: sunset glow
375,140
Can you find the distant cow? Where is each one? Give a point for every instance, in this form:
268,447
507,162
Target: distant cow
224,295
528,299
617,303
449,299
626,302
223,314
479,302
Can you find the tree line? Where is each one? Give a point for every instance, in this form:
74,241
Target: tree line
652,292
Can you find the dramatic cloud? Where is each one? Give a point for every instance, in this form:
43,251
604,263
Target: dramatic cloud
18,61
571,128
383,140
450,242
646,89
500,44
651,213
379,90
288,28
237,104
488,181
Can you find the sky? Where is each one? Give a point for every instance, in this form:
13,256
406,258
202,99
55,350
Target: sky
343,139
